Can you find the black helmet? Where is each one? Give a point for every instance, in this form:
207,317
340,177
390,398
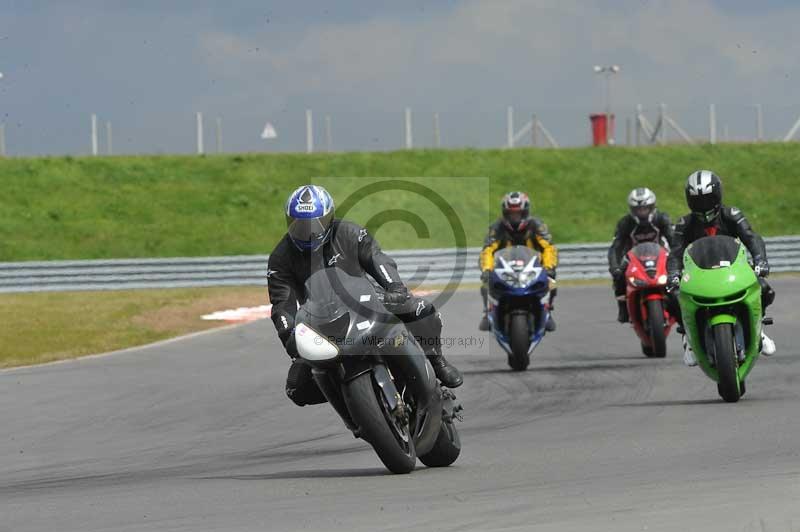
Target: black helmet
704,195
642,204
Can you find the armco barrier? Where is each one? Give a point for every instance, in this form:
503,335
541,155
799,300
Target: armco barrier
419,267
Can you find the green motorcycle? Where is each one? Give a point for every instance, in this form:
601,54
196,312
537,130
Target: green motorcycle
720,299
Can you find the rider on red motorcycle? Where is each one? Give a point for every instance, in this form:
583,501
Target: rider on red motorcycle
644,223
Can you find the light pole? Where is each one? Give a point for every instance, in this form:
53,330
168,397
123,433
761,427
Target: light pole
608,71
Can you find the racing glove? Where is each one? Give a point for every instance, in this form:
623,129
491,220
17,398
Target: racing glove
761,268
673,282
396,295
616,273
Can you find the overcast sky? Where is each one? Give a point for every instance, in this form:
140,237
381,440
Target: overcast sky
147,66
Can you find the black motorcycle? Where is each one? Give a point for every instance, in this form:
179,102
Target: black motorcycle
374,374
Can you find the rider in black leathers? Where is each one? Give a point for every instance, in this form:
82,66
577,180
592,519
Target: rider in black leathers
345,245
709,217
645,223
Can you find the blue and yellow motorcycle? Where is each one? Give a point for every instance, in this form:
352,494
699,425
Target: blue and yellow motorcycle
518,311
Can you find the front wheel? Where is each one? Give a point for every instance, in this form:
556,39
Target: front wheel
520,342
655,327
725,355
379,427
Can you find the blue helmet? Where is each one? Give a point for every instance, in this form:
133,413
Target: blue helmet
309,213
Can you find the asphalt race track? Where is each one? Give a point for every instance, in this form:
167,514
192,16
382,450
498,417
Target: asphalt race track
197,435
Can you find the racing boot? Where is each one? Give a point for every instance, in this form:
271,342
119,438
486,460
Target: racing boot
550,325
484,324
767,345
688,355
622,311
447,374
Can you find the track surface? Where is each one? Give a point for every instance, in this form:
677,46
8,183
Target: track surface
197,435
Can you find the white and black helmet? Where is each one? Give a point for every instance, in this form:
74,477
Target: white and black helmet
642,204
704,194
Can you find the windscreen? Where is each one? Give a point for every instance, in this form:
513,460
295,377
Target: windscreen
714,251
516,256
331,292
646,249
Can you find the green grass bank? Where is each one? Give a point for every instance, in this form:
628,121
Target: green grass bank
162,206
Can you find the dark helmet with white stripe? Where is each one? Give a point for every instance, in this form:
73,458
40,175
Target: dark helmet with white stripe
704,195
642,204
309,213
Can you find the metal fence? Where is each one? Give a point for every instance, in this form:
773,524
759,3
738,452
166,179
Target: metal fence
418,267
521,124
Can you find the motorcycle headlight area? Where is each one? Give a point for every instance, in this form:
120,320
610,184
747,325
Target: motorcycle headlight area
313,346
517,279
524,279
637,282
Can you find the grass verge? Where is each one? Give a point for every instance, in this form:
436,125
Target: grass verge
43,327
166,206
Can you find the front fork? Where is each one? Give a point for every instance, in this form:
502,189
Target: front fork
345,373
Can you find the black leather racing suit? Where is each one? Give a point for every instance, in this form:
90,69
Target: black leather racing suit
730,222
627,235
351,248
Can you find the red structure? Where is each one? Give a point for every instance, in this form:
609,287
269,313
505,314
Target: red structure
602,128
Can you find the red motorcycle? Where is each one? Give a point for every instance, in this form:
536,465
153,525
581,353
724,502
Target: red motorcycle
646,294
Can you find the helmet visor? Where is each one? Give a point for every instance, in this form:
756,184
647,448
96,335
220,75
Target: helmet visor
642,212
703,203
309,230
513,217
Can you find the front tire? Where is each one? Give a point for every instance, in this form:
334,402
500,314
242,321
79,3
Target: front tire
520,342
369,411
725,354
655,326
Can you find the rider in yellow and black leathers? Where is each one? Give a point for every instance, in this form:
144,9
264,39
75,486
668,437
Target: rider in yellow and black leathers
517,227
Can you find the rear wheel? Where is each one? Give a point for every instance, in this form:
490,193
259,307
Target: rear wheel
725,355
446,449
520,341
655,326
388,434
